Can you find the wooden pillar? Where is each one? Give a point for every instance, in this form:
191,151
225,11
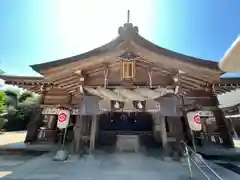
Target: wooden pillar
52,122
77,134
93,133
163,132
224,127
43,94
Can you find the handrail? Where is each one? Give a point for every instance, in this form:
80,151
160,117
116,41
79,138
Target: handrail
189,158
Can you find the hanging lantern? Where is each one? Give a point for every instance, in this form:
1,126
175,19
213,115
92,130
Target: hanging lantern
117,105
139,105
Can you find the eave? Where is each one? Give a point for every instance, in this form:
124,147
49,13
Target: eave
95,52
31,83
230,61
227,85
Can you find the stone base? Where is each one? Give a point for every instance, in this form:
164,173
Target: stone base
61,155
128,143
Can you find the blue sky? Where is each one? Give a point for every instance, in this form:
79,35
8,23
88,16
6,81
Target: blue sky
36,31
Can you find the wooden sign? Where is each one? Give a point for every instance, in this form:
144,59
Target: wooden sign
128,66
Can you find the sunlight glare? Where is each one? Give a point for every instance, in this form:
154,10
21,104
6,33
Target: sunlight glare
87,24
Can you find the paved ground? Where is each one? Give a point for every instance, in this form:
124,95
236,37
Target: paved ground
14,141
101,166
105,166
8,162
12,137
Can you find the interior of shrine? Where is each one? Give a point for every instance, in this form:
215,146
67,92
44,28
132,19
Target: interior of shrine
135,123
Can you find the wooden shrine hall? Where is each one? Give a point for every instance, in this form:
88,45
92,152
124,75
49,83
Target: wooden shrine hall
128,90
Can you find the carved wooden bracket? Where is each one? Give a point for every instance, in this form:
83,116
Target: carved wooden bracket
81,81
80,74
81,90
43,88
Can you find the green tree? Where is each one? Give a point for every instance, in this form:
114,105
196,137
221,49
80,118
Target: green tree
2,119
11,98
1,102
19,106
24,96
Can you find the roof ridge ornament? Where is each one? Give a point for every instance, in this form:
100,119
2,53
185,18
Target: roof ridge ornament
127,30
128,16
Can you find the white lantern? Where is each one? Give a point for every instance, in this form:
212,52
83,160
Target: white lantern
194,121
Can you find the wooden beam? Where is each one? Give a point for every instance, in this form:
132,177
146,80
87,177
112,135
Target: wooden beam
224,89
157,66
155,70
70,86
192,79
100,68
197,78
220,91
65,79
186,86
72,67
95,59
192,84
183,89
34,88
25,83
57,97
58,76
67,83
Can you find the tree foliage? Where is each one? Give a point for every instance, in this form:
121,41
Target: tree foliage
1,102
24,96
2,119
19,107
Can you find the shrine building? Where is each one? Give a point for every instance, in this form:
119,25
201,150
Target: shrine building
128,88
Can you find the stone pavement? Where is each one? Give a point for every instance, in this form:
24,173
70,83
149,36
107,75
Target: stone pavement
105,166
12,137
14,141
10,161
